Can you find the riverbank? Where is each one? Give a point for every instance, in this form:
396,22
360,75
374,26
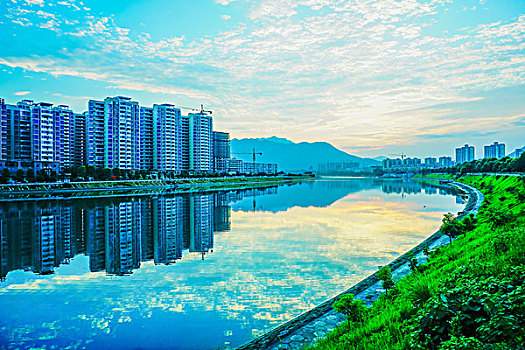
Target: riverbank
315,324
121,188
464,295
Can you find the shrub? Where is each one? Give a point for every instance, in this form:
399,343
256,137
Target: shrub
451,226
385,276
354,309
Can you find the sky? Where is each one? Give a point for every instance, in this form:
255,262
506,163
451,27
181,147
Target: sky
372,77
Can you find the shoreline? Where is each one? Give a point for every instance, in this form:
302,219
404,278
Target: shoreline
57,191
316,323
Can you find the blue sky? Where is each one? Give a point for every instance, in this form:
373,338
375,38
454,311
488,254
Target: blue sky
369,76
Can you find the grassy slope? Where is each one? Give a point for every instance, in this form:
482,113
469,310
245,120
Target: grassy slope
394,320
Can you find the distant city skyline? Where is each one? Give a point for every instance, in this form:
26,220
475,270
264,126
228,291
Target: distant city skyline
371,77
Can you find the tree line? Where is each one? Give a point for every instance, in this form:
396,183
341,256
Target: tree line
485,165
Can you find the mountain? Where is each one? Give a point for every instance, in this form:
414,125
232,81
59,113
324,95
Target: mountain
513,154
380,158
291,156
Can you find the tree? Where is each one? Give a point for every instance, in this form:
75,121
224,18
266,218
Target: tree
116,173
106,174
5,175
469,222
30,175
91,171
41,176
451,226
81,171
519,164
354,309
385,276
20,175
53,176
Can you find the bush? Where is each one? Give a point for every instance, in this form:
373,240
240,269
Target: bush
385,276
490,309
354,309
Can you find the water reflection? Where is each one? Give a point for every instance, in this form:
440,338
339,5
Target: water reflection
118,235
128,273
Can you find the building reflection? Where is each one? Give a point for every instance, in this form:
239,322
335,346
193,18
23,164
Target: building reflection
117,235
413,187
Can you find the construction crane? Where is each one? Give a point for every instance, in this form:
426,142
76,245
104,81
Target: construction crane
402,155
195,109
253,153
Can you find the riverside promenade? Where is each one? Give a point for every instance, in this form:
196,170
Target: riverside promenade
124,188
315,324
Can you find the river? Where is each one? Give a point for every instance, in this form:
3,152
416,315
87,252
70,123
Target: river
198,271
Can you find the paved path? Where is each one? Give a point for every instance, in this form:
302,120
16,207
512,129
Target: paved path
318,322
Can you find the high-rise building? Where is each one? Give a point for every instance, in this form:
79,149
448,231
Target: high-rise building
3,130
167,133
95,134
221,151
19,131
465,154
445,162
114,133
496,150
122,133
430,162
197,142
63,136
44,146
79,140
147,127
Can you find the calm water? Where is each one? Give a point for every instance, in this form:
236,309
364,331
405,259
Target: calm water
198,271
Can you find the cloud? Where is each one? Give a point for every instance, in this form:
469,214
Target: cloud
224,2
337,68
22,93
35,2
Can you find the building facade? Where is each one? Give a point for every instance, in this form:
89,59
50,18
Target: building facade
496,150
430,162
445,162
3,131
167,136
221,151
95,134
121,133
196,145
116,133
147,127
465,154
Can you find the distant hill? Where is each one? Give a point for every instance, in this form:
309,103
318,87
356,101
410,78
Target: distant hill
513,154
380,158
291,156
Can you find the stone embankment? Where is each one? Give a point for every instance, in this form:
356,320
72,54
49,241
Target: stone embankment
318,322
106,189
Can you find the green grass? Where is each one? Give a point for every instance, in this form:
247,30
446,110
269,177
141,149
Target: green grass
481,270
436,176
